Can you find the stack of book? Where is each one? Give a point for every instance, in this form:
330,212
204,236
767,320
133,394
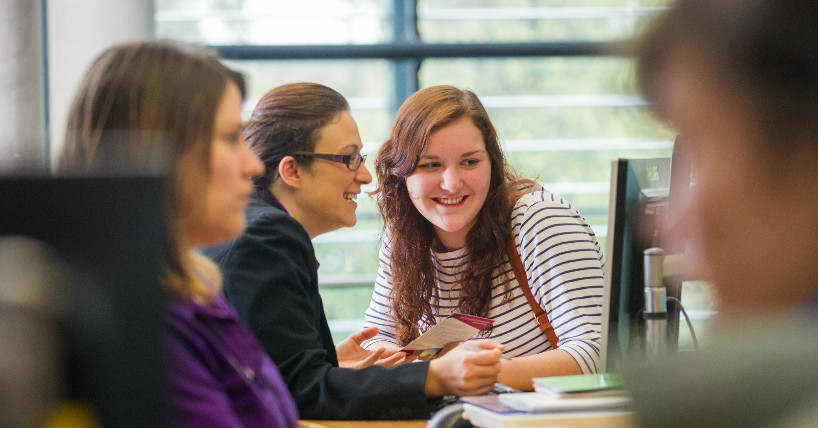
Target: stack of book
591,385
584,401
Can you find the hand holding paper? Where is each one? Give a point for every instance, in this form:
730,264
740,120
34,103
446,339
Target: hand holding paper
465,372
455,328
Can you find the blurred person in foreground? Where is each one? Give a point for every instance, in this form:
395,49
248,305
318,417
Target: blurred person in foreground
738,80
150,102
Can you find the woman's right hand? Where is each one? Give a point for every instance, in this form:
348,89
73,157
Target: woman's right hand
465,372
352,355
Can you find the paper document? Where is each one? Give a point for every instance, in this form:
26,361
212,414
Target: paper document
537,402
489,412
455,328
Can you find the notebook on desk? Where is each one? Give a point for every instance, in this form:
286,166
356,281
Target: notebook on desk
584,385
496,411
539,402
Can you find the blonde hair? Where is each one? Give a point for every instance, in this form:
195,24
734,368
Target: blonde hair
203,282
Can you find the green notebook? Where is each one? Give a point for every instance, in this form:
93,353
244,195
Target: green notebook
577,384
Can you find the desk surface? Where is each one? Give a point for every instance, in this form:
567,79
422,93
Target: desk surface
420,423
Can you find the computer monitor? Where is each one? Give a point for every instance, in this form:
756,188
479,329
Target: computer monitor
638,197
108,234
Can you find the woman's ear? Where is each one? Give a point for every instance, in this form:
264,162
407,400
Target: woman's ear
290,171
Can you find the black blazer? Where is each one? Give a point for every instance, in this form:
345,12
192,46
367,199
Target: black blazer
271,278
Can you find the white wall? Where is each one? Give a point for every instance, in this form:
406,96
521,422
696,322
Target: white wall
78,30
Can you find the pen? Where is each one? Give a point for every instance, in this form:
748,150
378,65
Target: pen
474,348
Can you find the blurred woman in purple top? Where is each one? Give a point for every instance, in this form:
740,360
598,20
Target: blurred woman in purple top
144,104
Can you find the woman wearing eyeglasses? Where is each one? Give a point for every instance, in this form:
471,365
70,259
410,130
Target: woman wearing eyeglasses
310,145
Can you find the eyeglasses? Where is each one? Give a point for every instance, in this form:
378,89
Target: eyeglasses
353,161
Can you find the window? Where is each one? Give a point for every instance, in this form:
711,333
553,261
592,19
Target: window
562,105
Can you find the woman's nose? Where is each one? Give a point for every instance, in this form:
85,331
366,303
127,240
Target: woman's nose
252,165
451,180
362,174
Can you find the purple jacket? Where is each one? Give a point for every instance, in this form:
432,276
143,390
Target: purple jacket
218,374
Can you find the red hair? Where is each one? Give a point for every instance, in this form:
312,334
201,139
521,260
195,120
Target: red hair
413,237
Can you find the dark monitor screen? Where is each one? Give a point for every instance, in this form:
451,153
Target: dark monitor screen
99,311
639,192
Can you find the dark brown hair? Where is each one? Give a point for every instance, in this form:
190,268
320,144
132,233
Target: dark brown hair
763,51
288,119
139,108
413,237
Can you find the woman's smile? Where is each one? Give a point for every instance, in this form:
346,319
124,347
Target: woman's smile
450,202
451,180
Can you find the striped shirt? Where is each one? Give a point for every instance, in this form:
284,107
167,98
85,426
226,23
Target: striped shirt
563,262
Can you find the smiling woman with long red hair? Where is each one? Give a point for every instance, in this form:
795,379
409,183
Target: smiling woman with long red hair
450,205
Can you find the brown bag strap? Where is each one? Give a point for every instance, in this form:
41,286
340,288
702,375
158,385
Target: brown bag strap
539,313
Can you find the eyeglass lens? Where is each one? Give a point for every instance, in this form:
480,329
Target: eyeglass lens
355,161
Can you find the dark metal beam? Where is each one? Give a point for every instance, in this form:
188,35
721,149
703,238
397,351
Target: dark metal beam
405,71
420,51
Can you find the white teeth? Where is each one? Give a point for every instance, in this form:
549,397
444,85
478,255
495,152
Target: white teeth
451,201
350,196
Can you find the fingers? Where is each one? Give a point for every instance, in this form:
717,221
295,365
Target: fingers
486,344
487,357
364,334
445,350
369,332
477,386
382,357
476,355
392,360
370,359
388,352
477,380
471,385
466,372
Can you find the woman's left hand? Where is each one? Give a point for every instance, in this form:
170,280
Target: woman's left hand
352,355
